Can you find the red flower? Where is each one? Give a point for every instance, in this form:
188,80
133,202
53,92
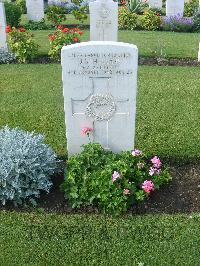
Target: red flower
80,33
8,29
60,27
123,2
65,30
76,39
52,37
22,30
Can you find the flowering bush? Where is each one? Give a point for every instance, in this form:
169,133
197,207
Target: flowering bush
178,24
13,14
112,182
63,36
151,20
127,19
21,44
190,8
55,14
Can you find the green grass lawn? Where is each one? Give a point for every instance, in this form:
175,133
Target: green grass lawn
39,239
168,107
171,44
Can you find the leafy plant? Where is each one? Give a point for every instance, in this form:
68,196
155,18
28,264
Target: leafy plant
136,6
81,11
6,57
22,5
127,19
13,14
62,36
112,182
150,20
55,14
21,44
191,8
37,25
196,22
25,165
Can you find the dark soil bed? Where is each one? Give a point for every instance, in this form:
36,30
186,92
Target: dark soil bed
182,195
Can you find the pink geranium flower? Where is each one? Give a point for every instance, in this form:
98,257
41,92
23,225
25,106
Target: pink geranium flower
136,152
154,171
86,131
126,191
148,186
115,176
156,162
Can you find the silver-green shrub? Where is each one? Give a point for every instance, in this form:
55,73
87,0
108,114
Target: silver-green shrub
26,164
6,57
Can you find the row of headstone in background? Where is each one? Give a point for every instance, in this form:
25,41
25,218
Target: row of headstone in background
173,7
3,43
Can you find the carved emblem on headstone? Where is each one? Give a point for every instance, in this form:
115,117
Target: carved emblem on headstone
104,12
101,107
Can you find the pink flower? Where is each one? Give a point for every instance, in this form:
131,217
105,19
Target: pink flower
156,162
126,191
140,165
136,153
148,186
115,176
154,171
86,131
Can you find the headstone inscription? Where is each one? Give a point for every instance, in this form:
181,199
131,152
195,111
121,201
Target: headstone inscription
155,4
103,20
35,9
3,43
100,82
174,8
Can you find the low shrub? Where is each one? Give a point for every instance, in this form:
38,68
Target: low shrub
150,20
37,25
22,5
6,57
55,14
177,24
63,36
127,19
190,8
112,182
21,44
26,164
13,14
196,22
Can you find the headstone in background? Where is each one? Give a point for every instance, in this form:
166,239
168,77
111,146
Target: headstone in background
3,43
103,20
100,83
174,8
35,9
155,4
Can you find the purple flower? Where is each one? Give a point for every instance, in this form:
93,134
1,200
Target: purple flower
154,171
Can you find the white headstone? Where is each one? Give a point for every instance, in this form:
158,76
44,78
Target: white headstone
100,82
103,20
35,9
3,43
155,4
174,8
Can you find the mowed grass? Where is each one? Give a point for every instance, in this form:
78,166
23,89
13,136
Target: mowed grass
150,44
48,239
168,120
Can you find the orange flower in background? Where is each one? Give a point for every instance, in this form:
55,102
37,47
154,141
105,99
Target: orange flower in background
123,2
76,39
80,33
52,37
8,29
60,27
65,30
22,30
